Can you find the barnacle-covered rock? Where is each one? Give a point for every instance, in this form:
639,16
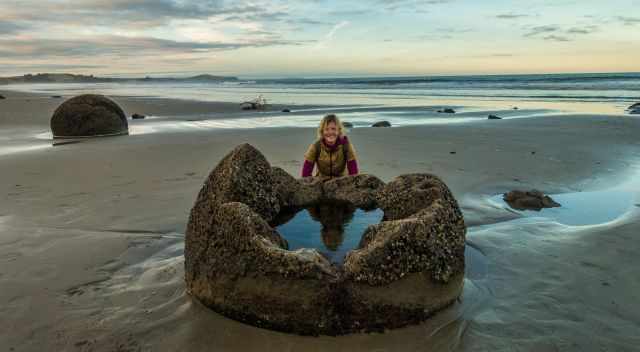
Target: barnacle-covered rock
359,190
405,269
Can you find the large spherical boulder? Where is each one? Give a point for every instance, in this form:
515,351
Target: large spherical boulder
406,268
88,115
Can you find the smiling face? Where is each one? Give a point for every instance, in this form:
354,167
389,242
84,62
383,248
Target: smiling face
330,133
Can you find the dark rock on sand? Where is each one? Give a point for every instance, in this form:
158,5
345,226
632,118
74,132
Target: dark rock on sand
286,110
347,124
529,200
515,108
238,265
634,106
88,115
2,97
381,124
137,116
447,111
56,96
494,117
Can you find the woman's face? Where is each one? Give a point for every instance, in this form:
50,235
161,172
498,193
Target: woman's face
330,133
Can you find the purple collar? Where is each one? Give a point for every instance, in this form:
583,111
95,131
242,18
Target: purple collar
339,141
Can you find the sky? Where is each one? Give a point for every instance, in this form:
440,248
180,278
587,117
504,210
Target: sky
316,38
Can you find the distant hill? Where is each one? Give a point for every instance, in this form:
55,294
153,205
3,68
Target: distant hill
71,78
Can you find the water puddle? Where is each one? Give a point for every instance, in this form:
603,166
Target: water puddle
332,228
581,208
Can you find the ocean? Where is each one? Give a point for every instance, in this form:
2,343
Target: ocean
400,100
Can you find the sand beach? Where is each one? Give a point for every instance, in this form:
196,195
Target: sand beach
92,233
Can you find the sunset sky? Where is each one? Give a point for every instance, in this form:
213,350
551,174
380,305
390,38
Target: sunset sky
318,38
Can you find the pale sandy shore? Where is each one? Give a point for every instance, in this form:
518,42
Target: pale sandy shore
91,233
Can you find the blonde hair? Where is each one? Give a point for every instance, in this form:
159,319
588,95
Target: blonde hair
327,119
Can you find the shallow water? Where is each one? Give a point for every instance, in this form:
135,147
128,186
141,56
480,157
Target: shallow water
582,208
332,228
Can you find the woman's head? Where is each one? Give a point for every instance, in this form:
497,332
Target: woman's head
330,128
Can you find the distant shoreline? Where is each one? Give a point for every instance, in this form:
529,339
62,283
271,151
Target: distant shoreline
347,80
73,78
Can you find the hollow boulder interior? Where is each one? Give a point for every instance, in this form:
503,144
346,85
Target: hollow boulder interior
331,227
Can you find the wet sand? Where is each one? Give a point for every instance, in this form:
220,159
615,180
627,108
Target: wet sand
91,233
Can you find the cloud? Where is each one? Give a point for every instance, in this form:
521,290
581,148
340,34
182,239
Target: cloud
50,67
118,46
556,38
582,30
534,31
9,27
510,16
334,30
629,21
31,29
321,44
559,34
411,5
130,13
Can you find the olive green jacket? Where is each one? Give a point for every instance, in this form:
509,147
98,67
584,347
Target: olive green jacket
331,161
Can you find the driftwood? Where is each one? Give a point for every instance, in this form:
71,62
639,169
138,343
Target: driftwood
259,103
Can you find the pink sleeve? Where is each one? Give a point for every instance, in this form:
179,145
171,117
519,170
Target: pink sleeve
352,165
307,168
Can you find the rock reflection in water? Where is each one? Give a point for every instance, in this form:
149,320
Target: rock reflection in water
340,226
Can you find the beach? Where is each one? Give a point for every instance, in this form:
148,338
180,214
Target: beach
91,233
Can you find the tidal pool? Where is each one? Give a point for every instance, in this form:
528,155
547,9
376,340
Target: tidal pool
583,208
332,228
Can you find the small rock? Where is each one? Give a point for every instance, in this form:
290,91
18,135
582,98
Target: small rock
447,111
381,124
347,124
494,117
533,153
286,110
606,284
515,108
529,200
2,97
137,116
56,96
452,152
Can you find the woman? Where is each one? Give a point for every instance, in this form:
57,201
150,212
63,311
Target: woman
332,153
